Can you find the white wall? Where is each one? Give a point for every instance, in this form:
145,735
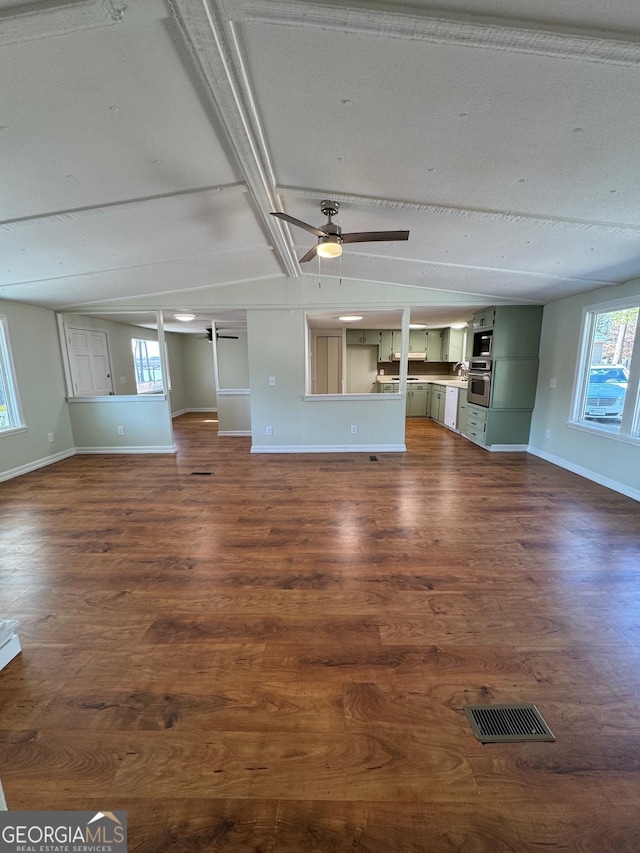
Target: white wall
277,348
145,422
198,374
34,340
606,459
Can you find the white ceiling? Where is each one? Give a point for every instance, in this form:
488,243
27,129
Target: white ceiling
144,144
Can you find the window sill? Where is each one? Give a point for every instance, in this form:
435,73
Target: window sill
122,398
319,398
600,430
13,430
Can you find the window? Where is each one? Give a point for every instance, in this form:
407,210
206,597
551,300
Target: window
607,387
10,414
148,367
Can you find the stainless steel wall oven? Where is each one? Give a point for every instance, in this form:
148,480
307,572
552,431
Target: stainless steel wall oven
479,382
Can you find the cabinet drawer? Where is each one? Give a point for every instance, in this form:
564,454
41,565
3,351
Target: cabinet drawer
478,436
473,423
476,412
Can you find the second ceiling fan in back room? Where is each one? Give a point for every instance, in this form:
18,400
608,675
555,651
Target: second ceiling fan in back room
330,236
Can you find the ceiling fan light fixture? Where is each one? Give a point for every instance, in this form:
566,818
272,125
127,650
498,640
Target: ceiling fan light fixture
185,318
330,247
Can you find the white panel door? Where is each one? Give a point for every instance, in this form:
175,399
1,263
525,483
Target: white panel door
327,364
89,362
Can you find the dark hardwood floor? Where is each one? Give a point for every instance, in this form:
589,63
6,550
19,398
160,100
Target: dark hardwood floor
275,657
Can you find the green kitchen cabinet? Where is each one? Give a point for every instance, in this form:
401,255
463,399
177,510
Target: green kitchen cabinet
462,410
513,383
417,400
417,340
452,343
434,345
489,427
388,387
516,331
438,399
385,347
484,319
366,337
515,342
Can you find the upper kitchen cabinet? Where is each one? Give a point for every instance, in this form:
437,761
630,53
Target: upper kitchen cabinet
434,345
417,340
483,319
514,331
368,337
452,344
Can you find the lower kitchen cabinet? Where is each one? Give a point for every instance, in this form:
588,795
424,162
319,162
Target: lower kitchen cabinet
417,400
462,410
387,387
487,426
438,400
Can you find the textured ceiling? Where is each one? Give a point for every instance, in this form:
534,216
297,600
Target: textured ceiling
143,146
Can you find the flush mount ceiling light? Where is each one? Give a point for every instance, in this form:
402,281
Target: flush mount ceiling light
329,247
330,236
459,326
417,326
185,318
350,318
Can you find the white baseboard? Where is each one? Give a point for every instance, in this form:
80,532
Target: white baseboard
508,448
330,448
186,412
244,432
164,448
608,483
37,463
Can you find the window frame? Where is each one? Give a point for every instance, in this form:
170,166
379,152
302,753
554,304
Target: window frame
10,382
629,430
165,384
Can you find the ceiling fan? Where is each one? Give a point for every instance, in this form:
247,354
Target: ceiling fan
330,236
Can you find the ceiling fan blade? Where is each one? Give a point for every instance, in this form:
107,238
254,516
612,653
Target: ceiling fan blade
310,255
372,236
299,223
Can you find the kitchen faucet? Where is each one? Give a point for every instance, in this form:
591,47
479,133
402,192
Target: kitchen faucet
464,367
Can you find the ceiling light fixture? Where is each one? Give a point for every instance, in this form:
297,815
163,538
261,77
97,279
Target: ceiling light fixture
417,326
330,247
458,325
350,318
185,318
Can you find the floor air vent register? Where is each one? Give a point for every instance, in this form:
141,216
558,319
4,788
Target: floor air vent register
507,723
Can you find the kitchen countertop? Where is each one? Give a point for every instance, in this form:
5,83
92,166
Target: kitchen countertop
438,380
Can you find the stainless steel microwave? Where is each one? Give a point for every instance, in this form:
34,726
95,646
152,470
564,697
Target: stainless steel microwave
482,343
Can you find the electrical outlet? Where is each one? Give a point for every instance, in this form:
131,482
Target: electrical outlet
354,429
120,430
553,383
272,380
268,430
50,436
123,380
547,433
